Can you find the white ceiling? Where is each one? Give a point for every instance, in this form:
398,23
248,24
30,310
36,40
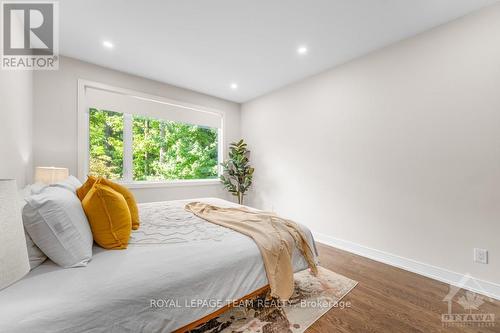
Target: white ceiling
205,45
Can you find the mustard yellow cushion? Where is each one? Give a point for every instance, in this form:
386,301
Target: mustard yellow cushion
109,217
129,197
82,191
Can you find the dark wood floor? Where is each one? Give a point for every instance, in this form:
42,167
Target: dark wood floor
388,299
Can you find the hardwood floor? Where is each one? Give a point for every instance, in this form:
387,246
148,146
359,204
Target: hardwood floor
388,299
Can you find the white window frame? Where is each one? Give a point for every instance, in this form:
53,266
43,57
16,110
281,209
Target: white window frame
84,145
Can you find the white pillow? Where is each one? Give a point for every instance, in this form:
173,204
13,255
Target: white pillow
57,224
71,183
36,256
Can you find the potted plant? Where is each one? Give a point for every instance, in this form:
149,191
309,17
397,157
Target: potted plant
237,172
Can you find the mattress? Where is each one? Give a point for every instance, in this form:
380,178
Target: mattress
178,268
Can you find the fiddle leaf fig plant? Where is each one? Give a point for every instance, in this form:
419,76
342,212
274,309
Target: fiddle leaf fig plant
237,172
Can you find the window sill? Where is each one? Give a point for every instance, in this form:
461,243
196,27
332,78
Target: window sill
171,183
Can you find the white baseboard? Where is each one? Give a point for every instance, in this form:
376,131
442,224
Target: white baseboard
467,282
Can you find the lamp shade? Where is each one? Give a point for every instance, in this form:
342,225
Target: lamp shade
50,175
14,262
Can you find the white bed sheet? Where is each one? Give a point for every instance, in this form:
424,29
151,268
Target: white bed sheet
209,264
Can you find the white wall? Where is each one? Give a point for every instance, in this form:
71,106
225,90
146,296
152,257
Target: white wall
16,113
398,151
55,119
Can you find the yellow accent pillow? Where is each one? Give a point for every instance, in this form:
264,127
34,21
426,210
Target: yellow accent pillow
82,191
109,217
129,197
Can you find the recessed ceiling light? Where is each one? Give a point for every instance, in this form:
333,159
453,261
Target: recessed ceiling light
234,86
107,44
302,50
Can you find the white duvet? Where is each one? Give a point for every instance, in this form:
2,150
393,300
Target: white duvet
177,269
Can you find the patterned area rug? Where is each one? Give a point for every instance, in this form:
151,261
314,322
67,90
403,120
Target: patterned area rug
313,297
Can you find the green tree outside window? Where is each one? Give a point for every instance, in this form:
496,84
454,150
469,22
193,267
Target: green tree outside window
161,149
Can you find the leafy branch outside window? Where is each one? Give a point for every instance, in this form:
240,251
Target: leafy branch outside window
161,149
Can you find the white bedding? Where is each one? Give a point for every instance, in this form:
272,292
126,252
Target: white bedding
174,260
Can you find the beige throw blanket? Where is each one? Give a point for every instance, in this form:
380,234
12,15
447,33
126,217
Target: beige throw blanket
275,237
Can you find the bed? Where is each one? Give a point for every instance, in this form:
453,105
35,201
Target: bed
177,269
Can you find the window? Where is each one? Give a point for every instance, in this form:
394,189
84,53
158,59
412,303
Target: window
165,149
106,144
133,139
